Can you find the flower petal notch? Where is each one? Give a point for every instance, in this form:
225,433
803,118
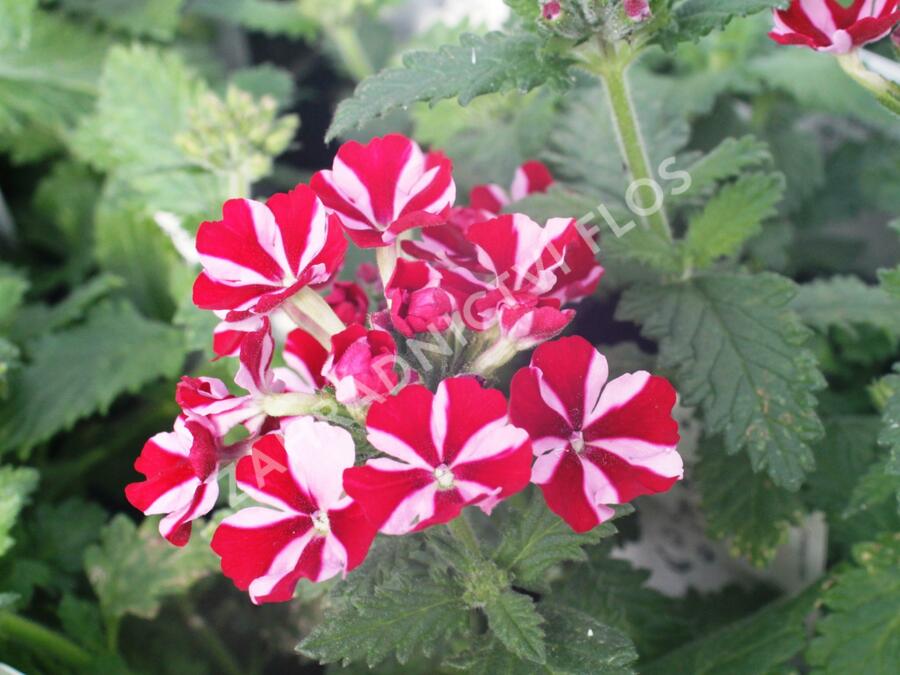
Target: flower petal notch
597,443
386,187
306,528
828,26
443,451
259,255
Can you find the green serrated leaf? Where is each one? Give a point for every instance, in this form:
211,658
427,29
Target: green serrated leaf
745,508
515,622
16,484
732,216
846,302
265,16
737,350
81,371
131,246
38,319
133,568
46,84
727,160
876,486
695,18
82,620
145,95
13,286
478,65
890,432
534,539
15,22
266,80
861,632
401,616
578,643
157,19
756,645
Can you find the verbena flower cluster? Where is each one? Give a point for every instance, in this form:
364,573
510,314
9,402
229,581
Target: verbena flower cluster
377,417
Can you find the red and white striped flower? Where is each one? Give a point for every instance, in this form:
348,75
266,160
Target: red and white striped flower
386,187
444,451
828,26
308,528
597,443
447,244
181,470
522,258
530,178
361,364
259,255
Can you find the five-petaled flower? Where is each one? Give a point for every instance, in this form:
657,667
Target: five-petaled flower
386,187
181,470
444,451
308,528
259,255
828,26
597,443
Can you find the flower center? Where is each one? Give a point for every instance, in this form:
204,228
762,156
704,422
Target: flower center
320,523
444,477
576,440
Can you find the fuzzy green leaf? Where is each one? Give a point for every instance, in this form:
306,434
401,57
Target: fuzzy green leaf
756,645
732,216
12,290
695,18
737,350
534,539
81,371
157,19
515,622
133,568
15,22
576,643
46,84
16,484
861,632
890,433
846,302
745,508
405,614
265,16
145,95
727,160
478,65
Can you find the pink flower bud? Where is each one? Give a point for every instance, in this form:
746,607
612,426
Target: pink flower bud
416,302
361,364
551,10
637,10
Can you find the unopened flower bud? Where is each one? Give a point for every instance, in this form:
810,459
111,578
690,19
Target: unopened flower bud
637,10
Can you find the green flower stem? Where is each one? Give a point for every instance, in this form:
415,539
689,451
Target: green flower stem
463,533
315,308
353,55
886,92
386,257
42,640
612,68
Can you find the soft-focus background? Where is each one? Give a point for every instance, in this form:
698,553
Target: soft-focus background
125,123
